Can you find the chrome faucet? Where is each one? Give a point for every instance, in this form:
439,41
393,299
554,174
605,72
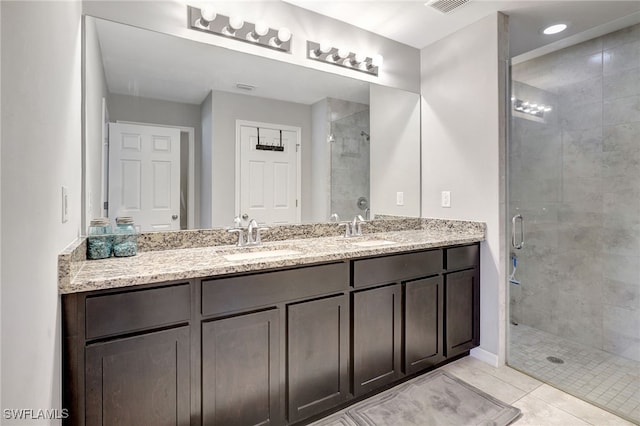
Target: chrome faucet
355,230
253,226
356,226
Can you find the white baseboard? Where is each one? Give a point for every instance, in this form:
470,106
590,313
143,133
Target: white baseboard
485,356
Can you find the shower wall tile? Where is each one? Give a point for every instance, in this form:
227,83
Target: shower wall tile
623,36
622,268
621,294
621,240
580,321
623,57
579,117
622,84
580,93
584,164
583,193
623,137
621,111
578,142
620,164
621,330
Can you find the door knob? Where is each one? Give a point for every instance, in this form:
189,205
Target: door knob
174,217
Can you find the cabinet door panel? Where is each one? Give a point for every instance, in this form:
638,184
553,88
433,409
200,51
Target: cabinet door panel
139,380
318,348
462,311
376,337
423,323
240,370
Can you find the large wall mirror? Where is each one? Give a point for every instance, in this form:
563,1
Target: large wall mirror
181,135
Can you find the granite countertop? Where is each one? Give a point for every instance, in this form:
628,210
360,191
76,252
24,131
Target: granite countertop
185,263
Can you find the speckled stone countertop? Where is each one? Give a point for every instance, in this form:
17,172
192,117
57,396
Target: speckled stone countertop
185,263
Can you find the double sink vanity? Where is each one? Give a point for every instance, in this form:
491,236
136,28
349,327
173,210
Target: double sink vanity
193,330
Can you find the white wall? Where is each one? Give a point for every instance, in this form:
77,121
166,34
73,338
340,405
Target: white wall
229,107
96,90
401,62
463,145
41,151
395,151
321,164
206,161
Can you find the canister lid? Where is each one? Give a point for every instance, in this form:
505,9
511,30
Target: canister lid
100,221
124,220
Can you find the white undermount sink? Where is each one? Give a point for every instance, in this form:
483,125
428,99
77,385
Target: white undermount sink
264,254
372,243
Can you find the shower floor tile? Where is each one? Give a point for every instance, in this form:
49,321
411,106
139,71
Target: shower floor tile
604,379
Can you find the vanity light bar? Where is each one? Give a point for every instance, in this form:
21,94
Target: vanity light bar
531,108
326,53
235,27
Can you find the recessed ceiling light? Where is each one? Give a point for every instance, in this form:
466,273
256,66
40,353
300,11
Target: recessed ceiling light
555,29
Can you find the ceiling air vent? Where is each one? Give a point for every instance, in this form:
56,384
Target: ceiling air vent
446,6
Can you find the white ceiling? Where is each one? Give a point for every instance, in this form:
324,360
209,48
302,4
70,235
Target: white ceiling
153,65
412,23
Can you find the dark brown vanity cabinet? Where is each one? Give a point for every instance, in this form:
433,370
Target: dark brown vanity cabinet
377,332
317,355
241,370
266,348
423,323
127,356
462,300
139,380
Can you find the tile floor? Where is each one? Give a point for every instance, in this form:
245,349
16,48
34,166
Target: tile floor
541,404
597,376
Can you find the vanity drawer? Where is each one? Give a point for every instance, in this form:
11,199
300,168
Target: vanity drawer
396,268
120,313
462,257
225,295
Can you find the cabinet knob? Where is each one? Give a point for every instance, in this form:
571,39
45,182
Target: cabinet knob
174,217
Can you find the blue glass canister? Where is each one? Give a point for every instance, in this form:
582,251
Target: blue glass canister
99,239
125,238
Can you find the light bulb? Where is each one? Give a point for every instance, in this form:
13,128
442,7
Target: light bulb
261,28
236,22
284,35
554,29
208,13
325,46
343,53
360,58
377,60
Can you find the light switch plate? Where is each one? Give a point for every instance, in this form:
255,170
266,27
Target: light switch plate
400,198
65,204
446,199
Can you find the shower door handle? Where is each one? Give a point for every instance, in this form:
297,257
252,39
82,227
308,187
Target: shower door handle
517,245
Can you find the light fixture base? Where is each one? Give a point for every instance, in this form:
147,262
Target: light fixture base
315,53
245,34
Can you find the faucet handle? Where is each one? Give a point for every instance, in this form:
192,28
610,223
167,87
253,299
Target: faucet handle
347,230
358,230
240,233
258,236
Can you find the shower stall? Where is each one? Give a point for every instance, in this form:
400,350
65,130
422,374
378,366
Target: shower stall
574,196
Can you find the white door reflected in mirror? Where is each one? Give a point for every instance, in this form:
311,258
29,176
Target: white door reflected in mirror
269,172
144,175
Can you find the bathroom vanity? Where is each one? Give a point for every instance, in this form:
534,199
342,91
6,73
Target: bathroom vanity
265,339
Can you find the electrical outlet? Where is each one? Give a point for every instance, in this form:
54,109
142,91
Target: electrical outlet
65,204
446,199
400,198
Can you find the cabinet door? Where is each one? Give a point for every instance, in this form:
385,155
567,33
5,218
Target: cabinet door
240,370
139,380
424,306
376,338
318,348
462,311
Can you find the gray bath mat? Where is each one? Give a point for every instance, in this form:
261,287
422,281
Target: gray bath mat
435,399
